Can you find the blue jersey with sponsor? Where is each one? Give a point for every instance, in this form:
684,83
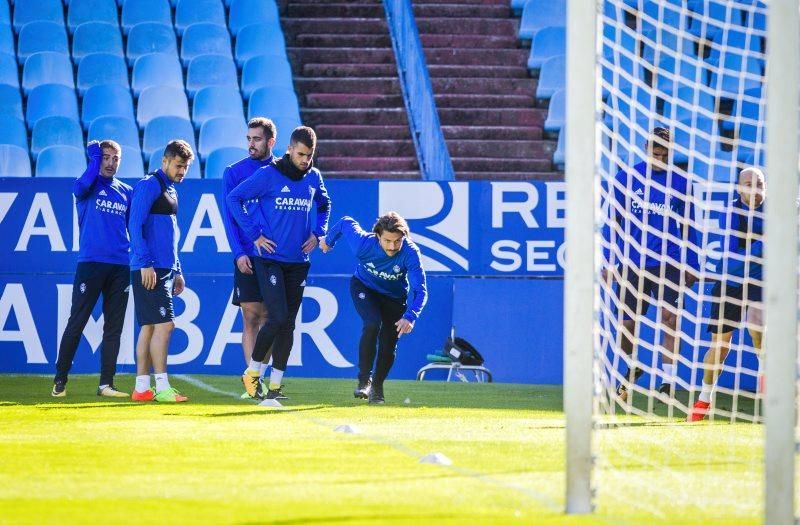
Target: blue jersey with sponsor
652,219
282,212
232,177
743,244
103,207
400,276
154,236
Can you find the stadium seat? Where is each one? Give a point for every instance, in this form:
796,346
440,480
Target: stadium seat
205,39
81,11
8,70
106,100
210,70
26,11
116,128
161,130
138,11
273,100
221,158
156,69
689,101
148,38
722,167
188,12
47,68
671,75
14,161
50,100
736,75
556,113
41,36
538,14
216,101
694,135
658,14
552,77
5,14
559,158
155,163
54,131
131,165
7,39
244,12
13,131
101,68
161,101
96,37
221,132
10,102
265,70
549,42
254,39
61,161
285,122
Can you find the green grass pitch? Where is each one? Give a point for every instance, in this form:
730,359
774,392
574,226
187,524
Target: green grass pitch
219,459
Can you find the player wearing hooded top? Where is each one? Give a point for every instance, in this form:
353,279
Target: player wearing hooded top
281,230
388,290
102,202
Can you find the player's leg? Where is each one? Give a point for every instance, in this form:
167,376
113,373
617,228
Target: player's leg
669,299
368,309
633,302
247,296
115,304
142,390
391,312
755,326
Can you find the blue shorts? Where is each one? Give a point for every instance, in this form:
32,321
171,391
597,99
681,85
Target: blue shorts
641,287
727,310
245,287
153,306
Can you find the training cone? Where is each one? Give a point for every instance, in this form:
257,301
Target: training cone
437,458
271,403
347,429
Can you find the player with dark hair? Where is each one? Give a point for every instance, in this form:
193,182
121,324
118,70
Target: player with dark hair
156,272
280,228
102,202
388,290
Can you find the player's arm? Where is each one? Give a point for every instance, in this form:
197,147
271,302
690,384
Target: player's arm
237,246
144,195
323,201
691,236
256,186
83,184
417,293
350,230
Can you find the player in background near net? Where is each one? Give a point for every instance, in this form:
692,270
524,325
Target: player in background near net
651,247
388,291
102,201
740,285
261,135
156,272
283,236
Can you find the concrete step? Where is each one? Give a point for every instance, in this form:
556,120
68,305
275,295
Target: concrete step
468,26
461,2
547,176
484,101
373,175
517,58
328,55
364,86
501,149
352,100
371,164
366,148
510,133
336,41
453,10
375,117
477,71
491,117
349,70
351,132
509,86
335,26
491,164
323,2
335,9
430,41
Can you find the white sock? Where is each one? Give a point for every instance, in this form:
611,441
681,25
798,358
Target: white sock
275,378
162,383
705,392
669,372
254,367
142,383
103,387
263,369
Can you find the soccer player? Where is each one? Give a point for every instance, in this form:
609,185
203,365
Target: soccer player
740,288
280,229
102,201
156,272
652,219
388,290
261,135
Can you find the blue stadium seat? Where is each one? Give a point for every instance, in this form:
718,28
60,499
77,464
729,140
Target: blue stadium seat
697,135
47,68
131,165
538,14
757,158
41,36
221,132
13,131
205,39
96,37
161,130
14,161
210,70
116,128
188,12
656,44
10,102
517,5
735,41
559,156
51,100
161,101
671,75
244,12
155,163
556,113
221,158
633,104
688,101
736,75
81,11
265,70
552,77
101,68
7,39
138,11
272,100
26,11
549,42
254,39
52,131
5,14
156,69
106,100
721,167
658,14
61,161
8,70
216,101
148,38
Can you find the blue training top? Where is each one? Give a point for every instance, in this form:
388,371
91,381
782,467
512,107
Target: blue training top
395,276
103,210
743,244
282,212
154,236
232,177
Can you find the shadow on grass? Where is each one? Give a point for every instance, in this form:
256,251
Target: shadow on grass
377,518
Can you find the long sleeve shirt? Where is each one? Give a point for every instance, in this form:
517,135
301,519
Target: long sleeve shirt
154,236
400,276
232,177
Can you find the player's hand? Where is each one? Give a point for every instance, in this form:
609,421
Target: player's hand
179,284
323,245
404,326
265,244
244,265
149,278
310,244
93,149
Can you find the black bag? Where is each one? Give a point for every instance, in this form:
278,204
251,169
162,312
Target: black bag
461,350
